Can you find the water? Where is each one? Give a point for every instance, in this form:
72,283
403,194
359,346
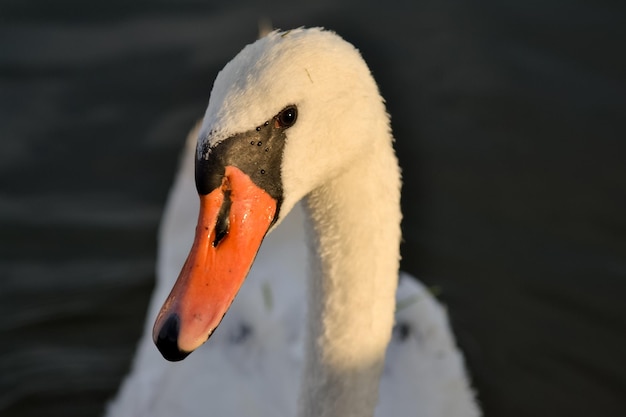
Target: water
509,125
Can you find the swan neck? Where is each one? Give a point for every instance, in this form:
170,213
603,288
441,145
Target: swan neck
354,231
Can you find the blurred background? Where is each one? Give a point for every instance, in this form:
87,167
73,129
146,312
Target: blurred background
509,119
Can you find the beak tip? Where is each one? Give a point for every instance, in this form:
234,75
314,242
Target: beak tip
166,340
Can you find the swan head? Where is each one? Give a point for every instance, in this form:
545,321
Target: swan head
286,115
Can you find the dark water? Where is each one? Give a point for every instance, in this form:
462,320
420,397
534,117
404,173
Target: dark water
509,119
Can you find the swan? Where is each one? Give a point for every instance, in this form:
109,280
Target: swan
295,140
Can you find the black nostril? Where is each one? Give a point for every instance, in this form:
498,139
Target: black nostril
223,222
167,340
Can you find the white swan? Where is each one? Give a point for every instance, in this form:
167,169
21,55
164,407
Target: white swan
294,116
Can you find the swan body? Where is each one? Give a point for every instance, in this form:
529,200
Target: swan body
310,328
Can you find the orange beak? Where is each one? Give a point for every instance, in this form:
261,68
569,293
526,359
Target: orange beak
232,223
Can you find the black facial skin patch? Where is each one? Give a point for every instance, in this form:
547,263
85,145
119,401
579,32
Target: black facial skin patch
257,152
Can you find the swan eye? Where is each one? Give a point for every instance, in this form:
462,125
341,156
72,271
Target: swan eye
287,117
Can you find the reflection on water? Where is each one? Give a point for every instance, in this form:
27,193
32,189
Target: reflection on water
507,118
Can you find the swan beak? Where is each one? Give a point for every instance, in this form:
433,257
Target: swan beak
232,223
